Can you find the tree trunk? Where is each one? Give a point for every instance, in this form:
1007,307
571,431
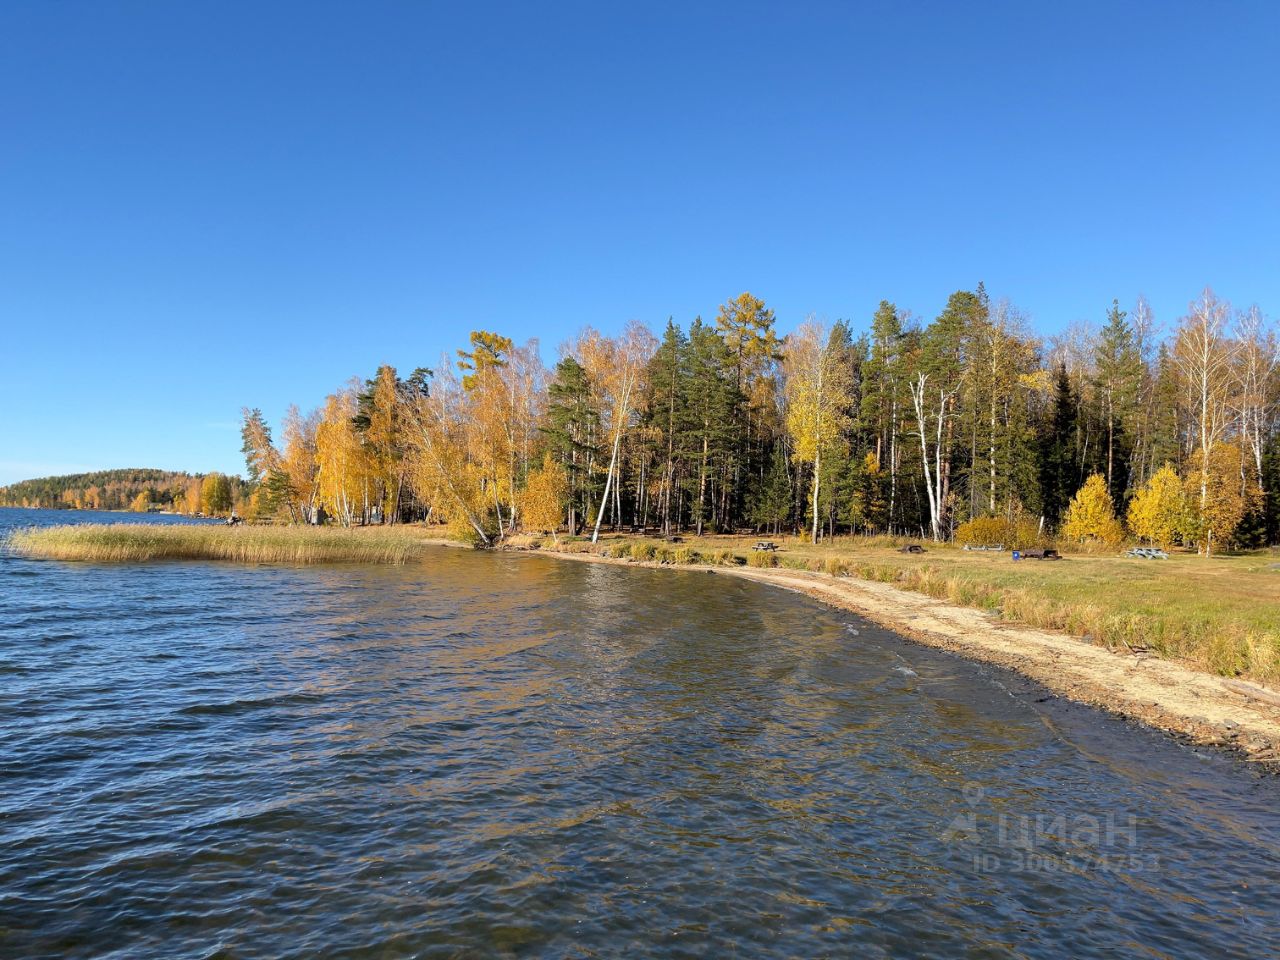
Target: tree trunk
817,482
608,483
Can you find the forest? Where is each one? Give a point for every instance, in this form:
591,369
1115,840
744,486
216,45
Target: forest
968,426
140,490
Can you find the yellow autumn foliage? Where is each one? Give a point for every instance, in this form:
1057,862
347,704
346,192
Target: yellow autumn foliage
542,502
1092,515
1157,510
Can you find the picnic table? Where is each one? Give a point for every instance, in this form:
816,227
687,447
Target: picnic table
765,545
1040,553
1147,553
912,548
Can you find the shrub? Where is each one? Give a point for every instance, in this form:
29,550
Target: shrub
686,555
984,532
837,567
1004,532
813,565
620,551
459,529
727,558
762,558
643,551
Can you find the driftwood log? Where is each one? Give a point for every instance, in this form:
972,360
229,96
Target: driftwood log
1250,690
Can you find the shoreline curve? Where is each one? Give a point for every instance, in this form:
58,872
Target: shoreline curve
1189,705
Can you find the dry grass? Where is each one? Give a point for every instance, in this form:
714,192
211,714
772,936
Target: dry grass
133,543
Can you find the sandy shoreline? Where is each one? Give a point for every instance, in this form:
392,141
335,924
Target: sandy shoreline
1197,707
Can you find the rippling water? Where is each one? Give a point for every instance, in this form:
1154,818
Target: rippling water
490,755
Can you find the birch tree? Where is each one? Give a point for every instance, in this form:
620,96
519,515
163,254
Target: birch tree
1204,357
1258,380
615,367
818,396
440,467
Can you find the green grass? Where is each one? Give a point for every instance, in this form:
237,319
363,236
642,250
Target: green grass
134,543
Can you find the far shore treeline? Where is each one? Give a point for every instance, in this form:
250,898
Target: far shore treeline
137,489
965,427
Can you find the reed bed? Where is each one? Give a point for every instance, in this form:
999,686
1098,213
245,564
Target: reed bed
135,543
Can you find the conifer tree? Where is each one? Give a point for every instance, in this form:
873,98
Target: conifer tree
709,405
1118,380
665,415
1059,473
884,401
572,427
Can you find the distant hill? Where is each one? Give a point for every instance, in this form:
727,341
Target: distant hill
100,490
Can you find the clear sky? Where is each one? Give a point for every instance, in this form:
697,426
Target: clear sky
206,205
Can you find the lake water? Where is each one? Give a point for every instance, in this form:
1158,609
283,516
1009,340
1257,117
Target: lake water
494,755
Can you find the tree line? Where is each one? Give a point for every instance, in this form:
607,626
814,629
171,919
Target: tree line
904,427
137,489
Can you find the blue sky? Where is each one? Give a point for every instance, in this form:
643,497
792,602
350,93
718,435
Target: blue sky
207,205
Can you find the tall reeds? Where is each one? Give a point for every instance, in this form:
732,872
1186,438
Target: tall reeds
134,543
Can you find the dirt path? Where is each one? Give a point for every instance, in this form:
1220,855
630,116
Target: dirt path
1164,694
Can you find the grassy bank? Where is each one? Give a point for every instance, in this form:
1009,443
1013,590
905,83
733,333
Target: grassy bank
1221,614
133,543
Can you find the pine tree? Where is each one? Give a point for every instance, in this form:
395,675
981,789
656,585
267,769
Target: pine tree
883,398
572,427
936,381
664,416
772,509
709,402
